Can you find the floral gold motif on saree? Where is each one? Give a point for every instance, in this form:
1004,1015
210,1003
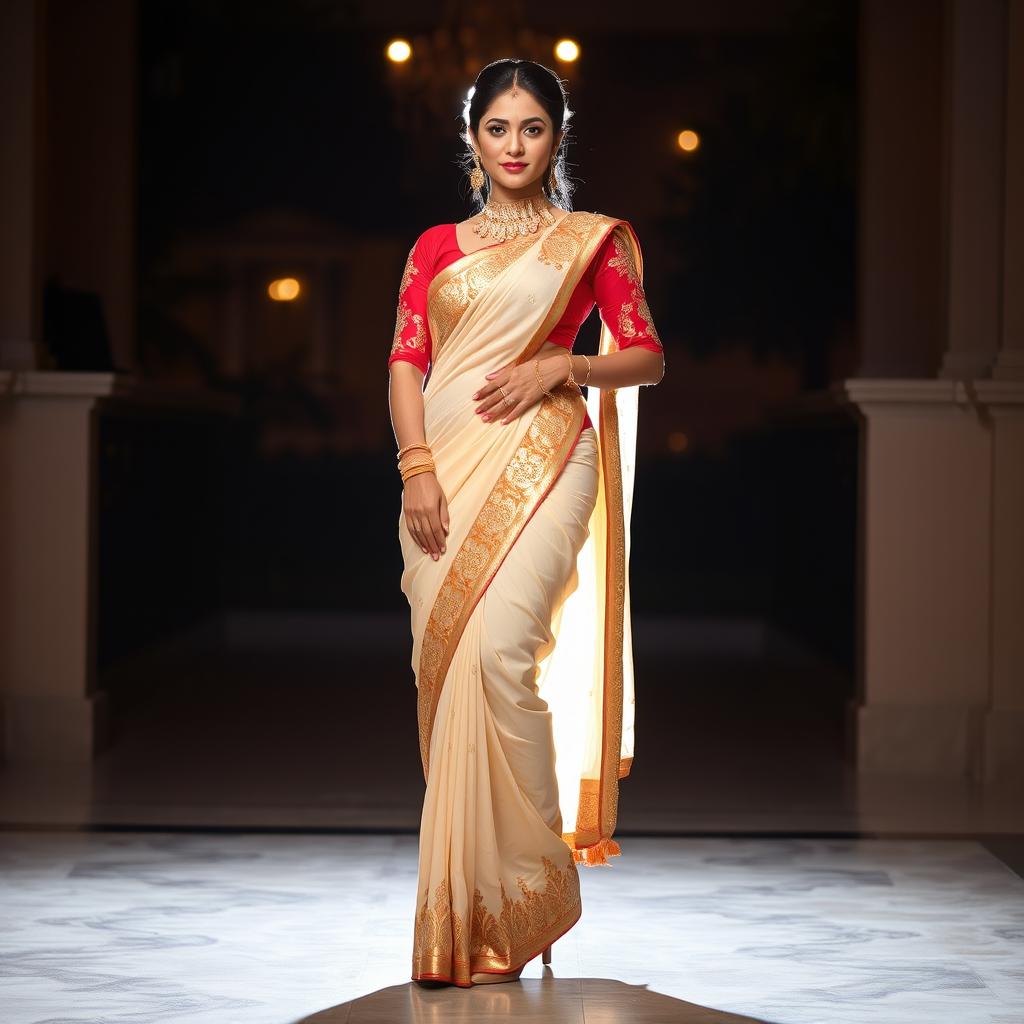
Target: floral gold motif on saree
451,292
511,502
561,246
444,948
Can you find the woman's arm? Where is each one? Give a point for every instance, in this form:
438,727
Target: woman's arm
622,369
640,359
405,398
423,501
615,370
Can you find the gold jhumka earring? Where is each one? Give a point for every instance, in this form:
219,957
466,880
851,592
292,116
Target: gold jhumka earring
476,176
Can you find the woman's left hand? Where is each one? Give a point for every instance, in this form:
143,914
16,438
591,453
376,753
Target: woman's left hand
519,383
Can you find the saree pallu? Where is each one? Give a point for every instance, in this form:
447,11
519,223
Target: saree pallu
521,631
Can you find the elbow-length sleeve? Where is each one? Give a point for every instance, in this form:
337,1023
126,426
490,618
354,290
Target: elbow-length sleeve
619,294
412,335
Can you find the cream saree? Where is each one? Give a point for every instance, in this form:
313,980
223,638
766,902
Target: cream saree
521,631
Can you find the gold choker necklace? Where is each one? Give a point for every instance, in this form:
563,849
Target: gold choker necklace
517,217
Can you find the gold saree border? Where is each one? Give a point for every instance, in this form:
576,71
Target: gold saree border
597,813
452,292
588,241
448,948
573,240
614,615
470,259
547,443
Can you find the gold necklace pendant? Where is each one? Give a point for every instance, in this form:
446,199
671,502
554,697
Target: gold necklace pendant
518,217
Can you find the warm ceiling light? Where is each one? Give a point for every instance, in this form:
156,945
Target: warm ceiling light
566,49
284,289
399,51
688,140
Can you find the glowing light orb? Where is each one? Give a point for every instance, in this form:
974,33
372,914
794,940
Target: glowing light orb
399,50
688,140
567,49
284,289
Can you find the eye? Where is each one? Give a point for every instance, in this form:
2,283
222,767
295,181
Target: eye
536,129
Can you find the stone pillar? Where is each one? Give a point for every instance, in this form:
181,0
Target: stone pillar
941,543
900,296
19,246
926,577
976,56
1004,724
51,708
1004,747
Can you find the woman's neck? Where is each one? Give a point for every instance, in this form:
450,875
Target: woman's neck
503,195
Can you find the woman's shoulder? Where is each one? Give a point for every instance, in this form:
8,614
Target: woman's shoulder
437,230
611,230
597,218
430,238
429,245
605,225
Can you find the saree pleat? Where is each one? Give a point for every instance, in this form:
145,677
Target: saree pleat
520,631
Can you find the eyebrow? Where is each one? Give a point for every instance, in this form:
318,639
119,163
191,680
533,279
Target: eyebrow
525,120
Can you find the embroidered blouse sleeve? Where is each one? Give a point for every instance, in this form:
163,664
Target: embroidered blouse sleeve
620,295
412,334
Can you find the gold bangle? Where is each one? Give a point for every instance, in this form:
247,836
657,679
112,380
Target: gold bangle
415,453
540,380
428,467
411,446
414,465
415,459
589,368
571,379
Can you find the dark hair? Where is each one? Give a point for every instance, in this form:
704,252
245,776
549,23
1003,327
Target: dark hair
547,89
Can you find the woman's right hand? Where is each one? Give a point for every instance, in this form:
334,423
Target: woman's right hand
426,513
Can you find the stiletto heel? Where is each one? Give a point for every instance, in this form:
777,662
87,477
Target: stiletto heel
545,957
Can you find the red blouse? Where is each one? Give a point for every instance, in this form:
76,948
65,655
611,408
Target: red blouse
610,282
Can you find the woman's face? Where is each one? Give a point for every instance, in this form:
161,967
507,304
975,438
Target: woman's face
515,144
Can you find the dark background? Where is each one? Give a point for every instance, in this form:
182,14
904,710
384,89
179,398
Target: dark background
745,497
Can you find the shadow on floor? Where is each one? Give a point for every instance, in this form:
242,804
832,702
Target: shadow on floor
549,1000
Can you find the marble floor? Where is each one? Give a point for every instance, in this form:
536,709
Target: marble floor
210,928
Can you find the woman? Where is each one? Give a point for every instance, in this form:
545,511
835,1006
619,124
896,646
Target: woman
515,534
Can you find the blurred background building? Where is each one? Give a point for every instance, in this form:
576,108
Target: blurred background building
204,212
